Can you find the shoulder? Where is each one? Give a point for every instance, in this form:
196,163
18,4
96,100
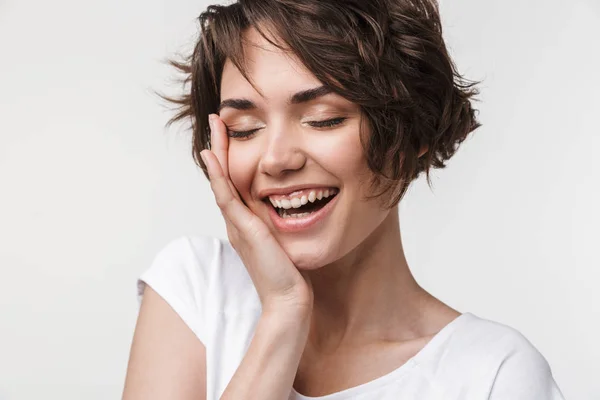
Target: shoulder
473,338
502,341
198,275
182,260
190,250
503,360
198,257
521,371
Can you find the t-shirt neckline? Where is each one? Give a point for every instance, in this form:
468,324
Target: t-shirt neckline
393,375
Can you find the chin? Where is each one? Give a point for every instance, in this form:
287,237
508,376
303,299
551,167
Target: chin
308,255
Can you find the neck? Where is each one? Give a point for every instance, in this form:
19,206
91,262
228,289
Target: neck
368,295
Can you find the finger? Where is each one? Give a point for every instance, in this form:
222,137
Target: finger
219,141
220,146
232,208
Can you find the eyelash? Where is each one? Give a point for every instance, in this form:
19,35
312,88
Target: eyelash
317,124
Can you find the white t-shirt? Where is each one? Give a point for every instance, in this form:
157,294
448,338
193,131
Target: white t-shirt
472,358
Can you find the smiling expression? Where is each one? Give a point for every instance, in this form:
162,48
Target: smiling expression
295,156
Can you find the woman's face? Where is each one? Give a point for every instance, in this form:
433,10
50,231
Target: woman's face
304,178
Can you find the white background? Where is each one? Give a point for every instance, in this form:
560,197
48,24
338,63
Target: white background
92,186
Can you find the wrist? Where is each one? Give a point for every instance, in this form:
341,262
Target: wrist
285,317
294,304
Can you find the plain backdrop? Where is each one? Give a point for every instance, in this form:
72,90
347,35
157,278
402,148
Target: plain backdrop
92,186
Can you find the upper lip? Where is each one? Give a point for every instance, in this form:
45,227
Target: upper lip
263,194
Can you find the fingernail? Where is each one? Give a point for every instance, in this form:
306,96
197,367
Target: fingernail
211,118
203,157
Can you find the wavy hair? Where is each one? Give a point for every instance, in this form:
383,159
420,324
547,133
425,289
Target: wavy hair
387,56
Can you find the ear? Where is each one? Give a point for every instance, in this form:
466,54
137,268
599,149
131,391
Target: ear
423,150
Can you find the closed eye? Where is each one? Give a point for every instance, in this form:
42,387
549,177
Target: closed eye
328,122
316,124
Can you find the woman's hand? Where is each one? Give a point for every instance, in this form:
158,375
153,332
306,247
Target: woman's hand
280,285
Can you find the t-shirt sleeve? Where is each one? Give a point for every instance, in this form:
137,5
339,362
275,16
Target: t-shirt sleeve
525,375
179,274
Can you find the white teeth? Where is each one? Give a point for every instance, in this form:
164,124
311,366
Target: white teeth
285,203
299,215
297,202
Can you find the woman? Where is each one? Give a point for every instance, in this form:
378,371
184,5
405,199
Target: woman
311,118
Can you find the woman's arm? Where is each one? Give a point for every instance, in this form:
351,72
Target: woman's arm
286,295
167,360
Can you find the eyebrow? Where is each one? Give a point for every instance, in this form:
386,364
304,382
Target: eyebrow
297,98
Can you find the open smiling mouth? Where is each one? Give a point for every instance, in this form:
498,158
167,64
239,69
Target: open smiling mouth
302,209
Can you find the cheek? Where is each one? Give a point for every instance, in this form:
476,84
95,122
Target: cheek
344,156
241,169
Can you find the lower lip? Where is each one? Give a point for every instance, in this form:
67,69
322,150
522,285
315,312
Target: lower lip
292,224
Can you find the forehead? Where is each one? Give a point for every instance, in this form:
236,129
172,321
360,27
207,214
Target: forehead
275,72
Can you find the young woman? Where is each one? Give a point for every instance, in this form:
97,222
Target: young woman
311,118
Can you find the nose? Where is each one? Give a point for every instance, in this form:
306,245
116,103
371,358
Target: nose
282,153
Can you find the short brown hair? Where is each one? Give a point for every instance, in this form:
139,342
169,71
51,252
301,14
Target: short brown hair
387,56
